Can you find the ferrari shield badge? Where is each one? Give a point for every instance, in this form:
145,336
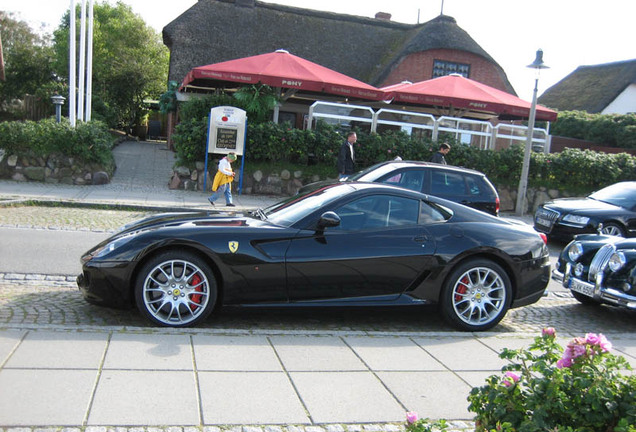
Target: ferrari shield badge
233,245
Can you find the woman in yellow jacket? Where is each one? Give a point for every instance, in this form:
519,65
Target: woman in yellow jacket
222,183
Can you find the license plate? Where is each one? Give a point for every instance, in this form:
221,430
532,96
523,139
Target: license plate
544,222
582,287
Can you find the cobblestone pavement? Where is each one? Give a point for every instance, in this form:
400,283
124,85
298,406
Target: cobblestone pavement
67,218
41,300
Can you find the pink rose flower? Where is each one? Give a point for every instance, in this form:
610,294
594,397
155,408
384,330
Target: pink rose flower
548,331
411,417
592,339
511,379
564,363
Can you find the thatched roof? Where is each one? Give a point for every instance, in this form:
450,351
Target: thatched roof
590,88
213,31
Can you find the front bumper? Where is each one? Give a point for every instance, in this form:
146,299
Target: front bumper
596,291
105,284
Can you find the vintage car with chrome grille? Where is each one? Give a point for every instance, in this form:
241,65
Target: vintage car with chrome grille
599,269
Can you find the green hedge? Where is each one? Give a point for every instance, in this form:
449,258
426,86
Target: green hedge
87,142
612,130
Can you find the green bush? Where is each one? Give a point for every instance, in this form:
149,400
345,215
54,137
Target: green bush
87,142
613,130
548,388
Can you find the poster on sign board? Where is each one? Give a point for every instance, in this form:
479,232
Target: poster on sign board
226,130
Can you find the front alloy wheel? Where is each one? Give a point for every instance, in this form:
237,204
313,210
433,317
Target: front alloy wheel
175,289
613,230
476,296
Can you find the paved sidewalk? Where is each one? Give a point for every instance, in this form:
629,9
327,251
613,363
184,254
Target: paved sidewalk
144,379
141,179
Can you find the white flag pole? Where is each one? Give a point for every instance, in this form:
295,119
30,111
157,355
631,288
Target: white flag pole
89,63
81,71
71,72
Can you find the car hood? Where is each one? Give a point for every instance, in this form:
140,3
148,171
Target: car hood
193,219
573,205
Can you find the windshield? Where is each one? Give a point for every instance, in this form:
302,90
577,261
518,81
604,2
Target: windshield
619,194
372,173
288,212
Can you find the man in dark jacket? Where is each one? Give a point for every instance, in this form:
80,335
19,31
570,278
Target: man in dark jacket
346,157
438,157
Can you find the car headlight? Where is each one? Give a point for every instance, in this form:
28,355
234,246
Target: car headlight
109,247
575,251
575,219
616,261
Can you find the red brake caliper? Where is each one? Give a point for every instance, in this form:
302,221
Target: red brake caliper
461,289
196,298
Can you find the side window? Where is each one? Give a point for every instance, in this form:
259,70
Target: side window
474,185
447,183
431,214
378,211
409,179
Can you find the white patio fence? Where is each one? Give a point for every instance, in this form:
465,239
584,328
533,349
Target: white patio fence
477,133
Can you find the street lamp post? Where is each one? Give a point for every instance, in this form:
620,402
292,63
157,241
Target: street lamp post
58,101
537,65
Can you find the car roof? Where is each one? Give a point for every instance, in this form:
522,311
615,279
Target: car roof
416,164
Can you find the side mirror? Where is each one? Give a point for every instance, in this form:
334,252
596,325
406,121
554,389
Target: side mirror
327,220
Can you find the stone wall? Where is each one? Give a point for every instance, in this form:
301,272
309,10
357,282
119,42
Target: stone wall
52,169
283,183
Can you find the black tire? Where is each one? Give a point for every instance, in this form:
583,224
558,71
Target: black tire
614,229
476,295
583,299
176,289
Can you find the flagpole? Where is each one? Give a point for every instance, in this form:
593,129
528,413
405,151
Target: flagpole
89,64
81,71
71,72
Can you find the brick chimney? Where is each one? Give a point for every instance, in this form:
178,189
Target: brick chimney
384,16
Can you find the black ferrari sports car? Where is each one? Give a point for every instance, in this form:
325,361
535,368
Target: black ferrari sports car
599,268
349,244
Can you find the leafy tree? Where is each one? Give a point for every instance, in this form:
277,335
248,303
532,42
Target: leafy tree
130,63
28,60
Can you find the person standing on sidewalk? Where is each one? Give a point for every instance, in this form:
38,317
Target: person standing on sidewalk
222,184
346,157
438,157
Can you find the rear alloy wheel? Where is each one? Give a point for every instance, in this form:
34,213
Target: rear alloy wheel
176,289
613,229
476,296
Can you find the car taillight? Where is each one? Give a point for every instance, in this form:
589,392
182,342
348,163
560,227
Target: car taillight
497,203
544,238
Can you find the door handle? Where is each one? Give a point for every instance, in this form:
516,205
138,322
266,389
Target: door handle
420,239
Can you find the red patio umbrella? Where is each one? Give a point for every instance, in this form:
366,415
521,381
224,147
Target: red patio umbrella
460,92
284,70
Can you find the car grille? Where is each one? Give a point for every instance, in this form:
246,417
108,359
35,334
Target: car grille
545,217
600,260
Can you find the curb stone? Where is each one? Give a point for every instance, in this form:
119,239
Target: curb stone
454,426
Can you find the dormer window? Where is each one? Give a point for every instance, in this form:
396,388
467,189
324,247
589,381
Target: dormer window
443,68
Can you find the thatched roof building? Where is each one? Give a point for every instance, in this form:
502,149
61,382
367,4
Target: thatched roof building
606,88
377,51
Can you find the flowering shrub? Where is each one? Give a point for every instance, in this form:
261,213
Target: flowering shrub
548,388
415,424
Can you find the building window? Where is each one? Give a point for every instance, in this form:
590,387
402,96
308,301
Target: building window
443,68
